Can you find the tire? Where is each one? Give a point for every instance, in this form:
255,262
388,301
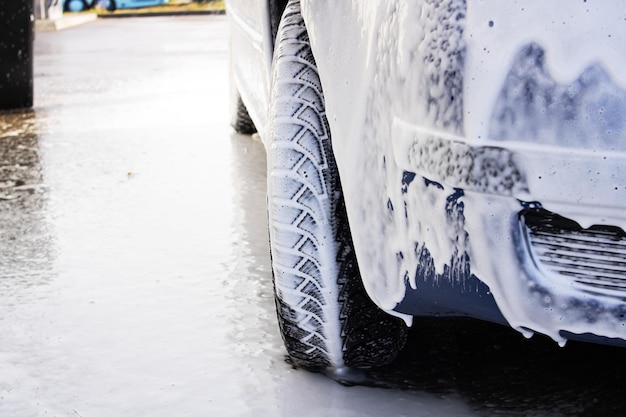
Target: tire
325,317
75,5
110,5
240,119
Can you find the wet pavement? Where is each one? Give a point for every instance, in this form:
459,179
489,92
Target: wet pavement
134,266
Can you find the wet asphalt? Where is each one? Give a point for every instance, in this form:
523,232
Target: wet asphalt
134,266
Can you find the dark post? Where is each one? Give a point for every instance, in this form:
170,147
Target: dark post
16,54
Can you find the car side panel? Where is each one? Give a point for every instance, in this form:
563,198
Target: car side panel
252,45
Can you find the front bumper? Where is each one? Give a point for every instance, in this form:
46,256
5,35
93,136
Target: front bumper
544,226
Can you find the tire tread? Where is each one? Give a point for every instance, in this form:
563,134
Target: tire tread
325,316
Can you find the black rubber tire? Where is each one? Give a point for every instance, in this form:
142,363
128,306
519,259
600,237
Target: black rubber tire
325,317
111,6
240,119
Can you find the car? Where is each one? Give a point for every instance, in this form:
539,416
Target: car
110,5
78,5
437,158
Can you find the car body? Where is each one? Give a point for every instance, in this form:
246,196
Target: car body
481,150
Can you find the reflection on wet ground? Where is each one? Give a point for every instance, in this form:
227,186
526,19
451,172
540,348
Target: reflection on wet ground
134,266
27,251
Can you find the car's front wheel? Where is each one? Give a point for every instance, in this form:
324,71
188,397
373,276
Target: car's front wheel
325,317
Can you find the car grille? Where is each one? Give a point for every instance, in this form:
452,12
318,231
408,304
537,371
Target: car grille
593,259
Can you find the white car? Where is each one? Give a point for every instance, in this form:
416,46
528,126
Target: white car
437,158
